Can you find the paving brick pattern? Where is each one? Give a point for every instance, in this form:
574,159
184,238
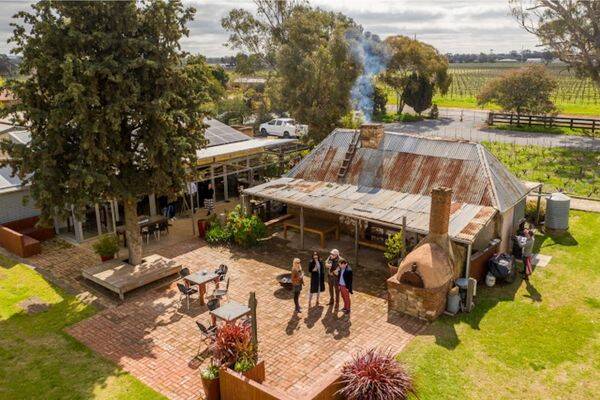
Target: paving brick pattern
154,337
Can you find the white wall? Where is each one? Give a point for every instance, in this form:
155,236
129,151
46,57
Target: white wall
12,208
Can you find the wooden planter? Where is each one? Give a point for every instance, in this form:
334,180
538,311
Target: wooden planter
257,373
211,388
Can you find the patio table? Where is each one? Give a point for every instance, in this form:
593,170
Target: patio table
231,312
143,223
201,278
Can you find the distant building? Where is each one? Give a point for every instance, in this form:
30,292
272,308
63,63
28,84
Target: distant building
535,61
507,60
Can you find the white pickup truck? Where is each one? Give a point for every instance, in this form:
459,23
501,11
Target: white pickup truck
283,127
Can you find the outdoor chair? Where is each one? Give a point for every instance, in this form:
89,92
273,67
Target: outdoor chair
221,271
208,336
221,293
187,292
183,273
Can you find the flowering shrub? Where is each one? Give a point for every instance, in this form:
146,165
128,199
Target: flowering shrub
245,230
375,376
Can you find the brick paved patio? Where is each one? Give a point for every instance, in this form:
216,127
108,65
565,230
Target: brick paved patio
153,337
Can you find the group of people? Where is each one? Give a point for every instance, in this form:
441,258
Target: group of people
335,270
524,250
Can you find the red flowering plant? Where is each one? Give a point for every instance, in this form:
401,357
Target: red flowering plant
234,344
375,375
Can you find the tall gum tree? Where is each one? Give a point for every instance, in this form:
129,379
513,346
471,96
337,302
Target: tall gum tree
113,112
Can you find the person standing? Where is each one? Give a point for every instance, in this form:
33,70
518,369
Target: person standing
345,282
209,200
316,267
297,282
332,265
528,252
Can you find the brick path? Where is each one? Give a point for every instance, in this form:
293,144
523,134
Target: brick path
154,338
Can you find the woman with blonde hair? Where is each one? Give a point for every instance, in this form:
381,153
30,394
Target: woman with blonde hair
297,282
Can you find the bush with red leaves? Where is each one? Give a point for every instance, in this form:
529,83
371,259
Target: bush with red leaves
233,343
375,376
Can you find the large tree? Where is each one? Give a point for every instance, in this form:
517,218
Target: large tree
526,90
316,70
410,56
260,34
570,28
111,109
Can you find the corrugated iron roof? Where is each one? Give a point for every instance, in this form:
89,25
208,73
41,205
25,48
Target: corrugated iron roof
378,205
416,164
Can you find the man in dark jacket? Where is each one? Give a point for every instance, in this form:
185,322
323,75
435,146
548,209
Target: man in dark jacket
345,283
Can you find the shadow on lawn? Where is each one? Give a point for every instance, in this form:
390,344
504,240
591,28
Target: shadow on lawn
40,360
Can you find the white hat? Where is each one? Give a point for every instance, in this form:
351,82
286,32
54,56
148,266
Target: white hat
335,252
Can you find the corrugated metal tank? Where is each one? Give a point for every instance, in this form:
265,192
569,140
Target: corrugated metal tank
557,211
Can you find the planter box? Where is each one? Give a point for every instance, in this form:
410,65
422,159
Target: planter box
106,258
211,388
257,373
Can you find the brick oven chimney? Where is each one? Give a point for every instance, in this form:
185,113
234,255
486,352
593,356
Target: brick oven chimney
439,216
371,135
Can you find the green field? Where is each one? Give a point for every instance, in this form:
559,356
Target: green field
575,171
534,341
38,359
574,95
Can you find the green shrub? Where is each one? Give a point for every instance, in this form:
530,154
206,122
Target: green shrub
211,372
245,230
243,365
106,245
387,118
217,235
394,248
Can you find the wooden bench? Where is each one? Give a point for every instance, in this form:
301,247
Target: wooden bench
320,229
120,277
277,220
373,245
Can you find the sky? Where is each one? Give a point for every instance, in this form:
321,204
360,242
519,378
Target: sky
453,26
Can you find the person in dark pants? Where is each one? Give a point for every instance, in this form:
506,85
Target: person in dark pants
332,266
209,200
316,268
345,282
297,282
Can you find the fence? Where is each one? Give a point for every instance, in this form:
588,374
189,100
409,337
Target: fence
547,121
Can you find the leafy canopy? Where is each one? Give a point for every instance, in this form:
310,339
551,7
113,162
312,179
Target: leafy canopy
316,70
111,109
410,56
526,90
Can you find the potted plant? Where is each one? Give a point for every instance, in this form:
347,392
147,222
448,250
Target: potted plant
210,382
375,375
394,249
234,349
106,246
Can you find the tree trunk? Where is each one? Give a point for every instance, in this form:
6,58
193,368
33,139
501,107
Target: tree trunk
132,231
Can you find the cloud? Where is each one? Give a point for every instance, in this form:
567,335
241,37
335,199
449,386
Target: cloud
450,25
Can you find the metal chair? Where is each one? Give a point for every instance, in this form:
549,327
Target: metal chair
187,292
220,293
208,336
221,271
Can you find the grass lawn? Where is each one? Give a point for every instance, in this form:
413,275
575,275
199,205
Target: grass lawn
38,360
592,110
575,171
559,130
535,341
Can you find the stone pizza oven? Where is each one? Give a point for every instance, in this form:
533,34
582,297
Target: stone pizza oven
424,277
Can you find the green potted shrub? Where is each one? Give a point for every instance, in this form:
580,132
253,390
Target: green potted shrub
245,230
106,246
394,250
210,382
375,375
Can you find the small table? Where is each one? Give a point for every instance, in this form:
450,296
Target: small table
201,278
231,312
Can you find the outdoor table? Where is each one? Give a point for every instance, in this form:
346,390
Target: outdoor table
231,312
201,278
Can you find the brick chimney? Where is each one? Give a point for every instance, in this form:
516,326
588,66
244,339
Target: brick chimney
371,135
439,216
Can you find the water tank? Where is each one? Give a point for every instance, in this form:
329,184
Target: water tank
557,211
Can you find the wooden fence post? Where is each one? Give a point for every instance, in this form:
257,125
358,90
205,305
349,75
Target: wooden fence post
252,303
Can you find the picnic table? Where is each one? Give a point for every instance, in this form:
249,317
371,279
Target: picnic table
231,312
144,222
320,228
201,278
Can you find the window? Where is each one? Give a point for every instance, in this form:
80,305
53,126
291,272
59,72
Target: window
279,122
272,122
